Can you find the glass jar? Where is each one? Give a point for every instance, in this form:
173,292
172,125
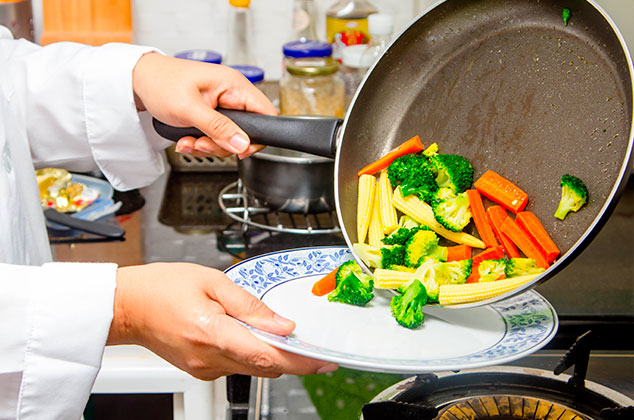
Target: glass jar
311,84
205,56
253,74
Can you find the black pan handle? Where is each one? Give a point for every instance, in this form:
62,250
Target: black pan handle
98,228
315,135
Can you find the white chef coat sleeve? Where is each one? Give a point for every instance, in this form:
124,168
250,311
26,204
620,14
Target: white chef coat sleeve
54,322
78,104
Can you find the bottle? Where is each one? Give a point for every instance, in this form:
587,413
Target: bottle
239,48
380,27
347,24
311,84
303,20
355,65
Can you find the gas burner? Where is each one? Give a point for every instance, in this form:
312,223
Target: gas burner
508,393
239,206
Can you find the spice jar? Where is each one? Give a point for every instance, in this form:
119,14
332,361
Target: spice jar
253,74
311,84
355,66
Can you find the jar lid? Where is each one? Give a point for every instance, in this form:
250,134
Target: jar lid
380,24
355,56
252,73
305,49
206,56
313,67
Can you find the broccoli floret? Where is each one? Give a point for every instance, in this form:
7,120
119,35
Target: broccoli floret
392,255
453,172
414,174
438,253
402,235
369,254
418,246
407,222
574,195
452,212
432,150
454,272
407,308
347,268
355,288
516,267
434,274
492,270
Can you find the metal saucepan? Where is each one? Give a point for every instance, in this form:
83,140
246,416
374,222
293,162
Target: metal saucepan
502,82
289,181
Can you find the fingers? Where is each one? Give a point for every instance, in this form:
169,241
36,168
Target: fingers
256,358
242,305
220,129
201,147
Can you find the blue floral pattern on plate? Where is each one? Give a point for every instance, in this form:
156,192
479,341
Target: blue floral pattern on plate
530,320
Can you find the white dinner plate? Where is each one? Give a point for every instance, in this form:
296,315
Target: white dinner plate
368,338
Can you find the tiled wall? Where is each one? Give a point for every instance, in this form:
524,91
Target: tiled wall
173,25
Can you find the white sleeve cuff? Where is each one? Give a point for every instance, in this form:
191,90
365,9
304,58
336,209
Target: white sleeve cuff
72,309
123,152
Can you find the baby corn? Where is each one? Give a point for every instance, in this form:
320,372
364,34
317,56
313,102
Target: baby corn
390,279
365,202
389,222
422,212
452,294
375,231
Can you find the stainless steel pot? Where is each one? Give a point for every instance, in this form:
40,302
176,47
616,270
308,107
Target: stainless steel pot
289,181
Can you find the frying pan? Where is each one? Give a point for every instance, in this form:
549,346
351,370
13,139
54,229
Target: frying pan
502,82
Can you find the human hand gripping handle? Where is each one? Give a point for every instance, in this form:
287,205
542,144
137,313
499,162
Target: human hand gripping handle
185,314
212,110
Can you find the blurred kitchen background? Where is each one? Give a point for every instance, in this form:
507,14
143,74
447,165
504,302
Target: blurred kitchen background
174,26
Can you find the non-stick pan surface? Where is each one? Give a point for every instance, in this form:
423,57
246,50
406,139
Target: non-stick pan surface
508,85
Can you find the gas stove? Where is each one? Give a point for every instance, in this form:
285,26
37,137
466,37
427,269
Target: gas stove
594,293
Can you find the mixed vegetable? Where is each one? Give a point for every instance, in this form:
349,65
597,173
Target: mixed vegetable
411,232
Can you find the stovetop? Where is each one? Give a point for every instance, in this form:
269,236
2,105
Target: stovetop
596,291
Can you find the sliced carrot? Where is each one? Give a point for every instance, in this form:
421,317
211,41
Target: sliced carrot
458,253
531,225
502,191
326,284
523,242
496,216
494,253
412,145
480,218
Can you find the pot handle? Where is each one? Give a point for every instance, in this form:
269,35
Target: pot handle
315,135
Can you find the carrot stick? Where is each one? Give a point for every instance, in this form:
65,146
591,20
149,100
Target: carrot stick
494,253
496,216
326,284
535,230
412,145
458,253
523,242
480,218
502,191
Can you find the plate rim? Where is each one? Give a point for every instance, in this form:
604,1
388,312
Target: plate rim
411,367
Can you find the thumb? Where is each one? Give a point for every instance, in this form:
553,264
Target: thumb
220,129
247,308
